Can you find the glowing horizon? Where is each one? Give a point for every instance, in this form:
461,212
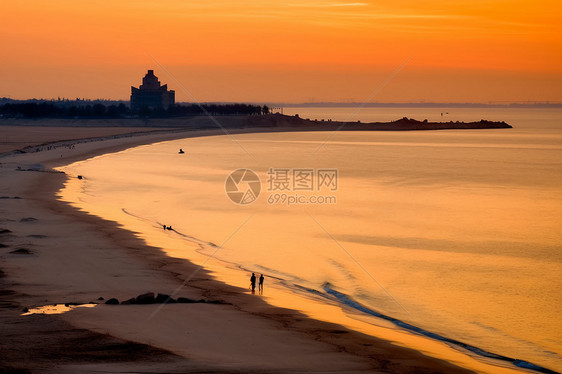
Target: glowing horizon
334,51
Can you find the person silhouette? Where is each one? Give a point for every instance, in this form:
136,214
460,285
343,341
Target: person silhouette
260,284
253,282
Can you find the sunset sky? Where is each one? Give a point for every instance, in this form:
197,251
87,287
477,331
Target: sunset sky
267,51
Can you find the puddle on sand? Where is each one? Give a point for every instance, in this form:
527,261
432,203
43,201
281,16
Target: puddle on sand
56,309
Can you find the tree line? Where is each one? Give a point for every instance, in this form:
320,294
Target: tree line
217,109
98,110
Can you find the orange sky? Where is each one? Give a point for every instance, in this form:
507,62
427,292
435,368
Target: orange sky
308,50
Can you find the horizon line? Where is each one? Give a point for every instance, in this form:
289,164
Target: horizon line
490,103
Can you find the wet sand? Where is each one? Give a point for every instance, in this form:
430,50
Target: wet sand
70,256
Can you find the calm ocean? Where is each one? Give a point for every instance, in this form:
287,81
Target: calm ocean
452,234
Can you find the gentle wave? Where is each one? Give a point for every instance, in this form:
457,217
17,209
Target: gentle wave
346,300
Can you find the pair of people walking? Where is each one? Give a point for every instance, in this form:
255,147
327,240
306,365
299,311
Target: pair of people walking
253,283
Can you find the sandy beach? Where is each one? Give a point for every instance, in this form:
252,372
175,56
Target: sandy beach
52,253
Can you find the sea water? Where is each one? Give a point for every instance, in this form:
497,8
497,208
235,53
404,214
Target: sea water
453,234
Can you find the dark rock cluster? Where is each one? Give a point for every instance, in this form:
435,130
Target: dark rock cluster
150,298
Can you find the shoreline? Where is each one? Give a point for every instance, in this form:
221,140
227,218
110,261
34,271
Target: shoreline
169,271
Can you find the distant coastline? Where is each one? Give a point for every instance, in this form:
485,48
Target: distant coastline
530,104
274,121
403,124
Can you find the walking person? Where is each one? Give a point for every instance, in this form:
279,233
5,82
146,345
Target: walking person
253,283
260,284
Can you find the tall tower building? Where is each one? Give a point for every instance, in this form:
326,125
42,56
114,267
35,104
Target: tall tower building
151,94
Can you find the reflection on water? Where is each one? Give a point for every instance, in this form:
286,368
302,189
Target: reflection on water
461,228
56,309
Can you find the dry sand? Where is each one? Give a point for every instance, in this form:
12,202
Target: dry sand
69,256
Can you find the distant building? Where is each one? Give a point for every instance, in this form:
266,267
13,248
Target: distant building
151,94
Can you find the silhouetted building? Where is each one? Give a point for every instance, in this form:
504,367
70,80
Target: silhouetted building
151,94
